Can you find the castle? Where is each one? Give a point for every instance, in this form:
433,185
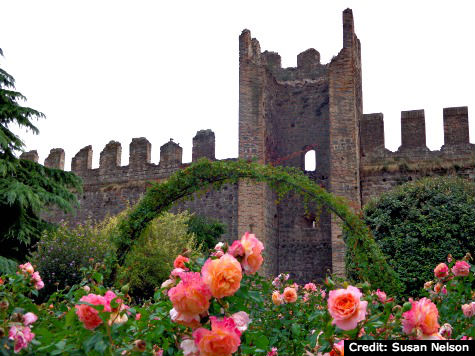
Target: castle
283,114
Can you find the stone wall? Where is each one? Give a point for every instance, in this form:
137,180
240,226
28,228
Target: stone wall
382,169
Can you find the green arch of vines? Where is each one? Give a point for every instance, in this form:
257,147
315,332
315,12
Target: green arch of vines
364,260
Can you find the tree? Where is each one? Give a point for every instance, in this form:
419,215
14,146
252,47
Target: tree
25,187
418,224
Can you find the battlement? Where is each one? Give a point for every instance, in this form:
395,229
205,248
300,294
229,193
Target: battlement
308,62
139,158
413,134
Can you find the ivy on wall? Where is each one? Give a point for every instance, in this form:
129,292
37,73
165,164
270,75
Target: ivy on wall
364,260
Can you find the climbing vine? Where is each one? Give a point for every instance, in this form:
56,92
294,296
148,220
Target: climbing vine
364,260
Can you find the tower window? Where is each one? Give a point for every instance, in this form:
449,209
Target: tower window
310,160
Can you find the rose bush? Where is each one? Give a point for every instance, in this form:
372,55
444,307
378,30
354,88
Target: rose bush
221,306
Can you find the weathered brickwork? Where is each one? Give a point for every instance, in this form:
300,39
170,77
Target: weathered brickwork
283,114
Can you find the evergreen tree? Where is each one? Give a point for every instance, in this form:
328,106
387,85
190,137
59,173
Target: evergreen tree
26,188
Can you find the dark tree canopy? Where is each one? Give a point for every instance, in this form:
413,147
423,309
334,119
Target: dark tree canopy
418,224
25,187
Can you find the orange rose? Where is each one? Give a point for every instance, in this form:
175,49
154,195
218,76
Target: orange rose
277,298
223,339
180,262
252,249
222,276
290,295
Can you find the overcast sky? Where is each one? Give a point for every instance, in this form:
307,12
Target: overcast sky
114,70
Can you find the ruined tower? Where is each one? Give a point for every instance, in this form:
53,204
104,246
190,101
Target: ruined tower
283,113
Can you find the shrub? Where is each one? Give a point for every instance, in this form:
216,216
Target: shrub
62,252
416,224
207,231
151,259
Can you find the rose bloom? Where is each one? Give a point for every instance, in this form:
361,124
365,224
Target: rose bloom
273,352
461,268
87,314
468,309
222,276
176,272
180,262
190,297
441,270
189,348
310,287
252,260
29,318
446,330
27,267
236,249
338,349
346,308
189,320
241,319
277,298
421,319
21,336
223,339
290,295
381,296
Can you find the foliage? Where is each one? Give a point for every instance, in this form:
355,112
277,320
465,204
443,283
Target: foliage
25,187
364,260
61,253
207,231
301,326
151,259
417,223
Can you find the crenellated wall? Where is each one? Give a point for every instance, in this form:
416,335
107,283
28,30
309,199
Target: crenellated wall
382,169
283,114
111,188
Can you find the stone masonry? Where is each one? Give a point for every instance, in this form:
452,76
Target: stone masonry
283,114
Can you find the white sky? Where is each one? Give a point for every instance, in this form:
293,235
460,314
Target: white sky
114,70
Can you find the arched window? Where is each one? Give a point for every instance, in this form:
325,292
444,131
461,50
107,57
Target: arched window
310,160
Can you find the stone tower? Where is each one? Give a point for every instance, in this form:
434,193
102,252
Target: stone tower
284,113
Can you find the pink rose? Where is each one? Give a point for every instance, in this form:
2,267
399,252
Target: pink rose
29,318
27,268
422,319
39,285
189,320
22,336
381,296
190,297
236,249
138,316
176,272
461,268
241,319
446,330
189,348
441,270
310,287
338,348
468,309
346,308
223,339
273,352
253,259
87,314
